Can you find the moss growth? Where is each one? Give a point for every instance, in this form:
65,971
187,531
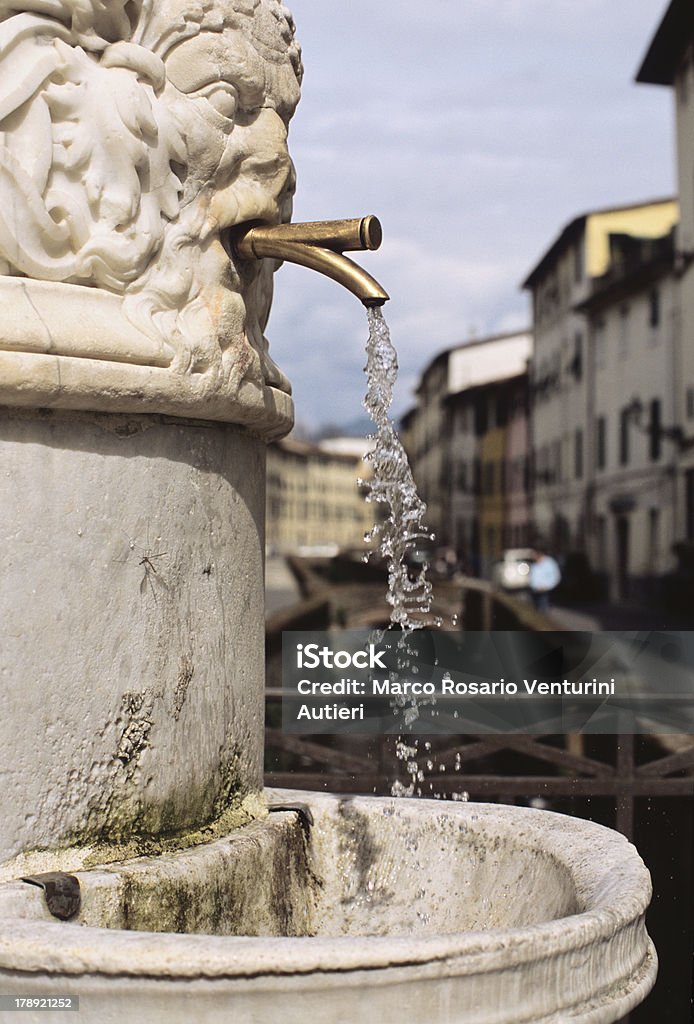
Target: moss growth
260,884
80,852
123,819
239,812
120,826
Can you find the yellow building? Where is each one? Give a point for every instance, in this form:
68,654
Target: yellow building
315,504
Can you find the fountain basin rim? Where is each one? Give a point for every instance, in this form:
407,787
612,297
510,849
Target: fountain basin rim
41,947
617,888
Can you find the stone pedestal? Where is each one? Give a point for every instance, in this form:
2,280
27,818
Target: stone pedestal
136,396
132,622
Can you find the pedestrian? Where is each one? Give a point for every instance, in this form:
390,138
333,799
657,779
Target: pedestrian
544,578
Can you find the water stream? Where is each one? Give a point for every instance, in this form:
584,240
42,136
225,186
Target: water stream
401,528
393,486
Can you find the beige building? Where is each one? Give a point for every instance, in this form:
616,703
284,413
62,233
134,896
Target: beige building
465,476
461,398
518,526
560,429
632,316
487,436
425,443
315,503
670,61
492,451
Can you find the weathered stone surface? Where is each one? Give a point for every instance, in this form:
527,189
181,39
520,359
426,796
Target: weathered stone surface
131,615
132,136
454,913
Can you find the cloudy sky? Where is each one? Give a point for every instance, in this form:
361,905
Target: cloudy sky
475,130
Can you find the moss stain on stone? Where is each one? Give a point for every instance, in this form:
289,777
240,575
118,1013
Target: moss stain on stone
239,812
120,824
256,881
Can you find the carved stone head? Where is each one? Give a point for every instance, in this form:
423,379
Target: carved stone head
133,134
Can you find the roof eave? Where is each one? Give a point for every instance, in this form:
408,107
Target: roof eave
667,47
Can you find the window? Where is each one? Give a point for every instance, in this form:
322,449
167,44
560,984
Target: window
600,442
540,378
578,454
541,467
556,461
489,478
600,534
655,430
476,476
577,361
462,476
481,417
475,536
624,420
600,345
623,350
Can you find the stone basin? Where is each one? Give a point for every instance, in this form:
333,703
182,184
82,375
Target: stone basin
444,912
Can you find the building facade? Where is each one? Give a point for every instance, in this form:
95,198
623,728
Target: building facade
519,527
560,284
669,61
631,495
492,456
465,477
315,501
425,443
456,439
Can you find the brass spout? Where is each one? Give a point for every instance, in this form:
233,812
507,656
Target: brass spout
318,245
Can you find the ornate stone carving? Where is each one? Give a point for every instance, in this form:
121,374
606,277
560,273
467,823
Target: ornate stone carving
132,135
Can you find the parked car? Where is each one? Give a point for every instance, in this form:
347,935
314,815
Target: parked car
512,572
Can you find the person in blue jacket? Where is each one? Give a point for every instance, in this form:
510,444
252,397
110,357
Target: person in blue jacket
544,578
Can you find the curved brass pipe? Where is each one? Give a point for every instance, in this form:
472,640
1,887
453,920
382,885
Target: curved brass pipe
318,245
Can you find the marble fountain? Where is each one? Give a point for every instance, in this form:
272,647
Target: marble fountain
143,868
